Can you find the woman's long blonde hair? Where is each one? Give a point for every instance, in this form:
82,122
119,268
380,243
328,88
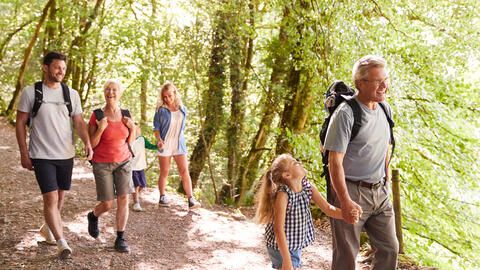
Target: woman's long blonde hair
165,87
267,193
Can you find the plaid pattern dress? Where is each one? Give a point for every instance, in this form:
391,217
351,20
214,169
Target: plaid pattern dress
298,219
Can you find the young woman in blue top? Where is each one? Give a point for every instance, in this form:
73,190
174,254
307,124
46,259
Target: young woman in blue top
168,127
284,206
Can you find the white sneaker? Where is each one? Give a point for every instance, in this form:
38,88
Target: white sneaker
164,201
64,251
193,204
137,207
47,234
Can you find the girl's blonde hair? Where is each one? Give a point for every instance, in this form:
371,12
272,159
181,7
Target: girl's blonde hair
165,87
268,191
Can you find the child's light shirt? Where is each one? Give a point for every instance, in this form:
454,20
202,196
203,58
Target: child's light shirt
139,161
298,219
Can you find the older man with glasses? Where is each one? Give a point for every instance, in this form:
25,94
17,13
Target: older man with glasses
359,170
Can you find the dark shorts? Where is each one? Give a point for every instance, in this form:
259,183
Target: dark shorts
53,174
139,179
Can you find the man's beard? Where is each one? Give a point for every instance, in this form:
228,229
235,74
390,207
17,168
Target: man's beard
53,78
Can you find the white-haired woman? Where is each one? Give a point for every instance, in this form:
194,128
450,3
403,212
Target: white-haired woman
110,132
168,127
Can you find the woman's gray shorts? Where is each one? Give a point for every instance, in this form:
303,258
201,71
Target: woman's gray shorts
113,179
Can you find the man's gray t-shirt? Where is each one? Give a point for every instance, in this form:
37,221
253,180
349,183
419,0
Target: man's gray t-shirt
51,133
365,155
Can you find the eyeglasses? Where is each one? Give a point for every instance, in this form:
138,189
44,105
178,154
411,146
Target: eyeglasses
377,83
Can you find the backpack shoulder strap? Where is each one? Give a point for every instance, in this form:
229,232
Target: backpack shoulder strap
357,117
66,98
98,114
391,124
37,102
389,119
126,113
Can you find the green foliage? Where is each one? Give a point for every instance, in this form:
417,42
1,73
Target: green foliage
431,48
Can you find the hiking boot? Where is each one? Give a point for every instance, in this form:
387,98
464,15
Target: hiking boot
64,251
193,204
121,245
137,207
47,234
163,201
93,225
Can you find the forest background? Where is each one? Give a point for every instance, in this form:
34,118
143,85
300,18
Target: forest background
253,74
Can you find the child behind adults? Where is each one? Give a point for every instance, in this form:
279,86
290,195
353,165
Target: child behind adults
284,206
139,164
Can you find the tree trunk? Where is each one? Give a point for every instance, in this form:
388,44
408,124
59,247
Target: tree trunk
213,99
26,57
50,28
250,164
90,80
299,96
9,37
296,110
77,50
143,98
241,53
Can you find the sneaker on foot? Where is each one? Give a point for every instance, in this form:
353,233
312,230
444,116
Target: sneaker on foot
193,204
93,225
137,207
64,251
121,245
163,201
47,234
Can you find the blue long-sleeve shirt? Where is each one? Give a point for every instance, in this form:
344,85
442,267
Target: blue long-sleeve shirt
161,123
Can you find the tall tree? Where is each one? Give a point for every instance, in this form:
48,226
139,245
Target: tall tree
77,64
213,98
250,163
240,56
10,35
299,96
26,57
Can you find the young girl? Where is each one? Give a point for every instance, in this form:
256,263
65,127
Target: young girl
283,205
168,127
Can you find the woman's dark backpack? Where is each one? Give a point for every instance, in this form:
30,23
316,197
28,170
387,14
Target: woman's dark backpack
99,115
337,93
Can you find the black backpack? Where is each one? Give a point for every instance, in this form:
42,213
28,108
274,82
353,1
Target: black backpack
38,100
99,115
337,93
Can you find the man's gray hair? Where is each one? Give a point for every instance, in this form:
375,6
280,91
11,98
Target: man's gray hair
364,64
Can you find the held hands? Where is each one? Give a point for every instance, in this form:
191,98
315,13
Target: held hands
160,144
351,212
355,214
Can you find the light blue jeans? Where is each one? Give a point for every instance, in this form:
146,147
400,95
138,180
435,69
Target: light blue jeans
276,258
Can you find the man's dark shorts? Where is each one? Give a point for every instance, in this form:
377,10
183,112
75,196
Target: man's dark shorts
53,174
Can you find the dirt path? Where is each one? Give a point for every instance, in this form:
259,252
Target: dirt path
159,238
